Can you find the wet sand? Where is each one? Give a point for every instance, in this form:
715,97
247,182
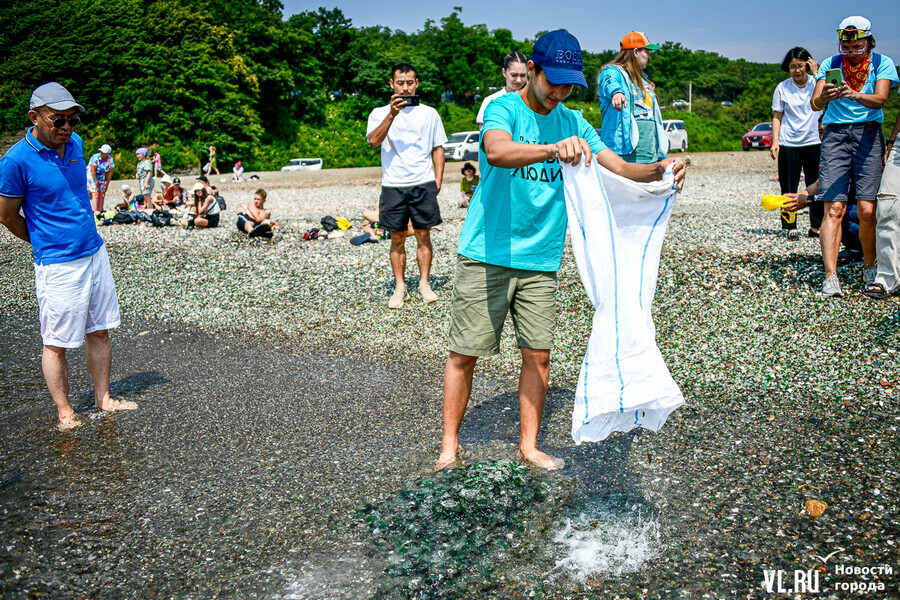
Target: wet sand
281,403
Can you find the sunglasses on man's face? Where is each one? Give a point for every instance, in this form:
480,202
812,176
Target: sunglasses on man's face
58,122
851,33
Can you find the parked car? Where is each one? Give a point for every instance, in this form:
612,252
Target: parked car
727,103
677,134
679,104
758,137
462,145
303,164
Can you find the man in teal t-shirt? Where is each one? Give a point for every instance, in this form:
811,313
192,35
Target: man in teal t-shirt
512,241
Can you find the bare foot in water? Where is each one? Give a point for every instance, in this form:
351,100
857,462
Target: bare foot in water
68,423
111,405
538,459
448,459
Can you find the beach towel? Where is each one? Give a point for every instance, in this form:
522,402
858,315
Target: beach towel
617,228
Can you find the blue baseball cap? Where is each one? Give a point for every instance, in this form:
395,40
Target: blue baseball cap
559,54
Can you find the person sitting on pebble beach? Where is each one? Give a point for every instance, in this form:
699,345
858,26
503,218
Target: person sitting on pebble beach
159,196
129,198
175,194
256,220
203,209
467,184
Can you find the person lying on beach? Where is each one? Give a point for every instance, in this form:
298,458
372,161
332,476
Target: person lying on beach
374,232
256,220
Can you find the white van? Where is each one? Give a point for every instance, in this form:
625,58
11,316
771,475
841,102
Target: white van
677,134
303,164
462,146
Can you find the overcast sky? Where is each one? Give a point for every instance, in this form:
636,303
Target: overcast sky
757,30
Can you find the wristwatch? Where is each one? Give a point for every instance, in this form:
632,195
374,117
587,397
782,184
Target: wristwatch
891,141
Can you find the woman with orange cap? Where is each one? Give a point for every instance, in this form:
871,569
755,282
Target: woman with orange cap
632,124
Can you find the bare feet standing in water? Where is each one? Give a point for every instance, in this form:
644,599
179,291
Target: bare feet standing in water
75,290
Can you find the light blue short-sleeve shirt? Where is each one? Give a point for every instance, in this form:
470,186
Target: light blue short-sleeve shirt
843,110
517,217
55,199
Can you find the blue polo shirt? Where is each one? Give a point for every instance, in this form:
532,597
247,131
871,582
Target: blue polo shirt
55,199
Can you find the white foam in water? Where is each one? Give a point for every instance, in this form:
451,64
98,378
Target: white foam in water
592,545
346,577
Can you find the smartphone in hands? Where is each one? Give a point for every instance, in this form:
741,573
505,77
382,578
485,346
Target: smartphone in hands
411,100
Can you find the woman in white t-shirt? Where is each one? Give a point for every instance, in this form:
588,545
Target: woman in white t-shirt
515,71
795,135
203,209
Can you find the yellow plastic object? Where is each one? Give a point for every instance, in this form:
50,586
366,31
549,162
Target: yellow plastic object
771,202
343,223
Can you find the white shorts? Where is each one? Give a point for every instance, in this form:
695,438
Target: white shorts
76,298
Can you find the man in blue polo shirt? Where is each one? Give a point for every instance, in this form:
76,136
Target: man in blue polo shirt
511,244
44,201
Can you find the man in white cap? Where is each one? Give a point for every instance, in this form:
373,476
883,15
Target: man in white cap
99,174
853,143
44,177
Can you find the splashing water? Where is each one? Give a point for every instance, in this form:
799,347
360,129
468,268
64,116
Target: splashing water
603,543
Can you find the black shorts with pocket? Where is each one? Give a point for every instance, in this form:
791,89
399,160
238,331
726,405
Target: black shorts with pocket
242,220
418,204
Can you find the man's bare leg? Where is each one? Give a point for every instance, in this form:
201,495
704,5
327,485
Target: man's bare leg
424,254
398,257
457,388
865,210
99,362
532,394
830,236
56,373
398,266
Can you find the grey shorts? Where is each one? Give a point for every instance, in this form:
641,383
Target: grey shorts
853,151
484,294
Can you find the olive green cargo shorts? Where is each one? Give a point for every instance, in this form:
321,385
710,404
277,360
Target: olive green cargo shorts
483,294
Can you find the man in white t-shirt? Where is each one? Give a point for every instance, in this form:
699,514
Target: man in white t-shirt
411,136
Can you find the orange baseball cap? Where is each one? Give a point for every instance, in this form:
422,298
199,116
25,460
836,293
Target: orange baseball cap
637,39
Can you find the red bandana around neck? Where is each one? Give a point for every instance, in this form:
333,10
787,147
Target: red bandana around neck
856,74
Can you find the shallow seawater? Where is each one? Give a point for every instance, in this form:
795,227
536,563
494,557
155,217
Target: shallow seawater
491,529
606,539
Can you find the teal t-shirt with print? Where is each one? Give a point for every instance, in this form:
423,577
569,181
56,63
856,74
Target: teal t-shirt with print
517,217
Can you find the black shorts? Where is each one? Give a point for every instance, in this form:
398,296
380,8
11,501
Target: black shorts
418,204
243,220
212,220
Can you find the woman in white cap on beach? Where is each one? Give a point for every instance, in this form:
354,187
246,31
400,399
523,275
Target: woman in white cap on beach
99,174
851,88
632,124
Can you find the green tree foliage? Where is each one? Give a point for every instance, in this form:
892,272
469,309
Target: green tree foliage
182,75
165,74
